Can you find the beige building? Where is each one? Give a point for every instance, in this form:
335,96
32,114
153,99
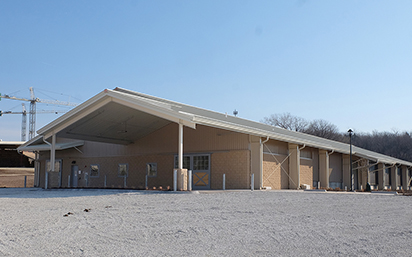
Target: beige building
124,139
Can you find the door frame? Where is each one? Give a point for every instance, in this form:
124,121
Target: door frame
191,167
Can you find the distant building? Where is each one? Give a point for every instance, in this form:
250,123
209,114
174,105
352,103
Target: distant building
9,157
121,138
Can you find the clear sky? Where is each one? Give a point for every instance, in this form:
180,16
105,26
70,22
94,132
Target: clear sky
347,62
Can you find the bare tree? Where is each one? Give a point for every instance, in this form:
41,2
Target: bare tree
396,144
323,128
286,121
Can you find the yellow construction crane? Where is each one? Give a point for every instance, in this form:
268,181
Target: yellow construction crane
32,113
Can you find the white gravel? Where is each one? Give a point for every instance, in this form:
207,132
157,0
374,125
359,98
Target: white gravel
230,223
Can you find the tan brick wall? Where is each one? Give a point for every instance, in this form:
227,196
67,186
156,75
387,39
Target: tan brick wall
273,175
306,172
53,179
236,166
335,169
108,166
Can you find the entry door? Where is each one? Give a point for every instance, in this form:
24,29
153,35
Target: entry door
201,172
200,166
74,176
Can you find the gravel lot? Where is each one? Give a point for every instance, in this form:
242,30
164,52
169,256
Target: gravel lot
216,223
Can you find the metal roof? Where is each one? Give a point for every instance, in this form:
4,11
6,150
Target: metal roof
11,142
229,122
102,117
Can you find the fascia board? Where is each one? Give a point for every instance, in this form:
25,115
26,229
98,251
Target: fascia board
45,147
32,148
31,141
11,142
258,132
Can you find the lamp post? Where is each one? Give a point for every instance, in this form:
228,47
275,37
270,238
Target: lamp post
350,131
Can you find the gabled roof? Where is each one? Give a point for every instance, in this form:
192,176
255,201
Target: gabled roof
103,118
228,122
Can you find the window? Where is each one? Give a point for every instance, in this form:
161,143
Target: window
94,170
151,169
201,162
194,162
123,170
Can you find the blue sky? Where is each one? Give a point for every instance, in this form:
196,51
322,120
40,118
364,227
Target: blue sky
347,62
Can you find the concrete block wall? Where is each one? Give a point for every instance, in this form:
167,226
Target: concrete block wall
306,172
236,166
108,167
275,176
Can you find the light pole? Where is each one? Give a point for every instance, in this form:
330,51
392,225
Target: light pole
350,131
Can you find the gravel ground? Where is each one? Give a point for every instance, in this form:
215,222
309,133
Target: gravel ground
36,222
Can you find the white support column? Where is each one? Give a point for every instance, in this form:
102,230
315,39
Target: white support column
52,159
180,154
404,174
53,153
181,173
394,177
381,176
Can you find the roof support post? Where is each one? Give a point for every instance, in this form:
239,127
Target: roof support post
180,152
181,179
53,153
52,159
324,168
381,176
364,174
346,171
394,177
405,178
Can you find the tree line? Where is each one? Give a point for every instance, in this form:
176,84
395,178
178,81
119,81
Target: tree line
396,144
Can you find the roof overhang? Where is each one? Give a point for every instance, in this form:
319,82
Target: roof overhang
47,147
115,117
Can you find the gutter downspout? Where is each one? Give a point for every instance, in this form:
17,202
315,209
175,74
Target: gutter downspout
261,160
